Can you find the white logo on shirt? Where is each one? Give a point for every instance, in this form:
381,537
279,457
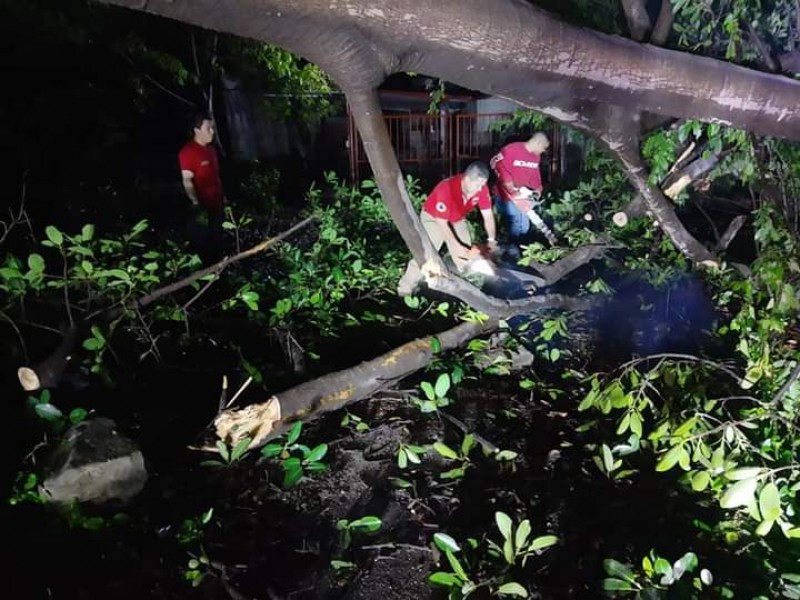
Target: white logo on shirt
440,207
526,164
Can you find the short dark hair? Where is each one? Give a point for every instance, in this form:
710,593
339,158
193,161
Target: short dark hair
477,170
196,120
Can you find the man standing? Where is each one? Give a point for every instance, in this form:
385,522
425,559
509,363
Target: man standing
444,218
519,187
201,181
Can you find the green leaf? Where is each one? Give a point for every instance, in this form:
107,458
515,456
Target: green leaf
292,475
402,458
700,481
456,566
453,473
54,235
740,493
87,267
608,459
428,389
240,448
743,473
769,502
506,455
118,274
48,412
687,562
317,453
444,542
436,345
399,483
522,534
78,415
222,447
92,344
618,569
87,232
445,579
670,459
543,541
294,433
369,523
271,450
617,585
442,385
36,263
467,444
512,589
445,451
504,524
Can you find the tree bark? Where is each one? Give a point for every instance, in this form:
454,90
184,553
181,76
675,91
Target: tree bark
367,113
264,421
663,24
48,372
505,48
661,208
637,18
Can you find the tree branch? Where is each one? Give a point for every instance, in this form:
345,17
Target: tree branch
48,372
663,24
264,421
637,18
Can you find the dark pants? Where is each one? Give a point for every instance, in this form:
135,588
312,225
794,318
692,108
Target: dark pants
205,233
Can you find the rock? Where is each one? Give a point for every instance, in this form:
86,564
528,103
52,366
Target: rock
94,463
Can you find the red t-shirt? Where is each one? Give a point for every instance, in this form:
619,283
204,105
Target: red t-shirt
516,165
446,201
202,161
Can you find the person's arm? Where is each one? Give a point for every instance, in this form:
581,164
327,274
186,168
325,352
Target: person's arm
489,225
188,186
458,251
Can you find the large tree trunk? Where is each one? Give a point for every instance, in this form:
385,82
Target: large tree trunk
505,48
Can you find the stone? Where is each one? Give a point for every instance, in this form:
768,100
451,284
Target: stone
94,463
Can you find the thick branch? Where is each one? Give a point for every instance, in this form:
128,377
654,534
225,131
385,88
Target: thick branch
637,18
689,174
564,266
366,110
663,24
218,267
661,208
264,421
48,372
505,47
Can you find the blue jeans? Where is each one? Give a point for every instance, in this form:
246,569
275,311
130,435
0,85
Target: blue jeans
516,221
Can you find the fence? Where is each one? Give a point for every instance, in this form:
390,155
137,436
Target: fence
439,145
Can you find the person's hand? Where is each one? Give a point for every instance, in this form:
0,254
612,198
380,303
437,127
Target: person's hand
492,246
463,254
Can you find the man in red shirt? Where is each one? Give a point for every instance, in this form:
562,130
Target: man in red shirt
519,186
444,218
200,168
202,184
